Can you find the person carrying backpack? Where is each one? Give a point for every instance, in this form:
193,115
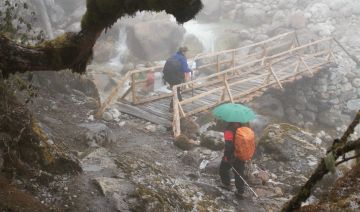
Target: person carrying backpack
177,71
239,147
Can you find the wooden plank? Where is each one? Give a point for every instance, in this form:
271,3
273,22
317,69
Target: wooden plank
157,112
135,111
153,98
200,95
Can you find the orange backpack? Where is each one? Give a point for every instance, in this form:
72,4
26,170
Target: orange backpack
244,143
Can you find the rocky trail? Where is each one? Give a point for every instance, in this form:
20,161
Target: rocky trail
131,165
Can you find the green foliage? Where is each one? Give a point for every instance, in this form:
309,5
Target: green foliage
330,162
16,20
15,83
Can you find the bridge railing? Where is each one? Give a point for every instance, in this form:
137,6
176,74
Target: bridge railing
142,80
255,76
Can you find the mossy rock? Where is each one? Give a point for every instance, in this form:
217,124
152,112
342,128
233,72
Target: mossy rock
183,142
212,141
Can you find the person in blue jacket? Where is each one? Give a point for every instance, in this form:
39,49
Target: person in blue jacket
184,74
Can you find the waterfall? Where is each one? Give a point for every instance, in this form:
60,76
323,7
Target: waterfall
45,18
203,32
121,49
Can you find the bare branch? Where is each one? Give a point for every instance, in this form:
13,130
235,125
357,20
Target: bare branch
338,149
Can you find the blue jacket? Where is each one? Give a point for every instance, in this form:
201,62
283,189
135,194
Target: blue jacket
184,66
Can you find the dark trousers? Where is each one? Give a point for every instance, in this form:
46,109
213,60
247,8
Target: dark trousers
178,91
239,166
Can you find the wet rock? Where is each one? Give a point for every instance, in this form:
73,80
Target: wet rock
356,82
263,176
329,117
263,192
98,160
114,113
189,128
91,103
278,191
211,10
253,17
52,121
107,116
160,35
183,142
318,12
98,134
279,19
259,124
269,105
353,104
212,140
213,167
298,20
191,159
150,128
117,191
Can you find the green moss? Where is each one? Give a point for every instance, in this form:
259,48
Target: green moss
47,157
61,50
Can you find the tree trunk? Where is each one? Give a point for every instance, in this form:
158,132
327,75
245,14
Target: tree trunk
74,51
339,148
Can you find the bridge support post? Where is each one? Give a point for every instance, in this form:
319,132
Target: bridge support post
176,114
306,66
276,78
133,88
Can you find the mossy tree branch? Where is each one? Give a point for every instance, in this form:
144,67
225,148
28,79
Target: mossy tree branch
74,50
338,149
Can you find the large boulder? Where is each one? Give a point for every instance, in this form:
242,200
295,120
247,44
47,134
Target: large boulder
98,134
211,10
119,192
353,104
253,17
297,20
318,12
212,140
193,43
154,40
183,142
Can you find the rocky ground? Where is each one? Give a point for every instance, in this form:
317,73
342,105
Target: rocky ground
131,165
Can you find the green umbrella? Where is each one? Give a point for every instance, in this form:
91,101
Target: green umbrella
231,112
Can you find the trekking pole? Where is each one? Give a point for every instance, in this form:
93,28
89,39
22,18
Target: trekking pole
244,181
355,59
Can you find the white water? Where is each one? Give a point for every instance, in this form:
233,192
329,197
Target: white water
203,32
121,49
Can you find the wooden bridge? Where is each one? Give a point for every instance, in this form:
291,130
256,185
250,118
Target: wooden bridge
235,75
